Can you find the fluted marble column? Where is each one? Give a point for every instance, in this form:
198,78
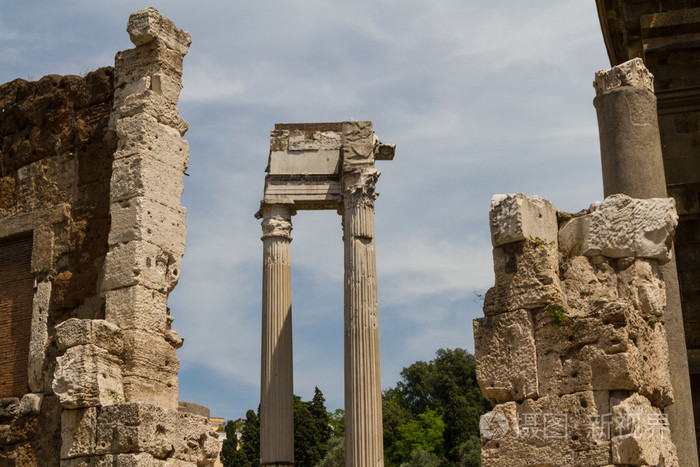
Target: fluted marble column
277,384
363,397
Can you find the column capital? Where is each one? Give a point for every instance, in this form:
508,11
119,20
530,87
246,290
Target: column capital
276,220
631,73
359,187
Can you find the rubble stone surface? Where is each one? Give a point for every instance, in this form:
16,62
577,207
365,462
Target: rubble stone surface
572,351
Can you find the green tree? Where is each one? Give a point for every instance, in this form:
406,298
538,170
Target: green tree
229,448
335,457
311,430
337,421
420,458
393,416
250,438
424,433
446,385
470,452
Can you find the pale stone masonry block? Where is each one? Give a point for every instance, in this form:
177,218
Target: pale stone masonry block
610,348
142,134
551,431
143,219
86,376
641,435
139,175
99,332
155,105
147,25
526,276
163,433
620,227
39,337
137,307
78,431
141,263
516,217
506,359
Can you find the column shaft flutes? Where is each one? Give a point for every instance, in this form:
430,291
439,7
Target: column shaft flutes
363,398
277,384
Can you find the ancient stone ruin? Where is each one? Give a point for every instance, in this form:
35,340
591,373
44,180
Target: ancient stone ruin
572,351
581,350
322,166
92,234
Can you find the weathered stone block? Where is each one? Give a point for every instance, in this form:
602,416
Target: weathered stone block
143,134
517,217
506,362
78,431
640,281
86,376
527,277
99,332
551,431
144,219
160,432
156,105
30,404
641,433
39,337
136,71
150,369
620,227
611,348
137,307
141,263
139,175
147,25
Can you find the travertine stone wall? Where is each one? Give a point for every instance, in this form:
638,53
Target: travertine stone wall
572,350
92,173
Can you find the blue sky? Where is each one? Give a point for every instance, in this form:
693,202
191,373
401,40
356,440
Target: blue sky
479,97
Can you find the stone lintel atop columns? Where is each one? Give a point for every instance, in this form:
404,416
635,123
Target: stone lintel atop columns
308,161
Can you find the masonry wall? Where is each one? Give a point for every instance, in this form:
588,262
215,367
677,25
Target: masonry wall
572,348
55,167
92,235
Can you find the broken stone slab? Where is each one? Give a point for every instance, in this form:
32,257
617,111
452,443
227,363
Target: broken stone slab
86,376
138,427
516,217
610,348
145,136
587,280
551,431
526,277
99,332
78,431
620,227
140,262
147,25
506,361
641,434
137,307
143,219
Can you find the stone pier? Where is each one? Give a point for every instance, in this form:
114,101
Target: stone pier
632,163
277,382
322,166
572,349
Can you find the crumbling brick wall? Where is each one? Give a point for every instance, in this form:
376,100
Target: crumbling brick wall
572,351
90,182
56,163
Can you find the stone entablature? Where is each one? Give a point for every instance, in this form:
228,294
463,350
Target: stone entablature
573,344
322,166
